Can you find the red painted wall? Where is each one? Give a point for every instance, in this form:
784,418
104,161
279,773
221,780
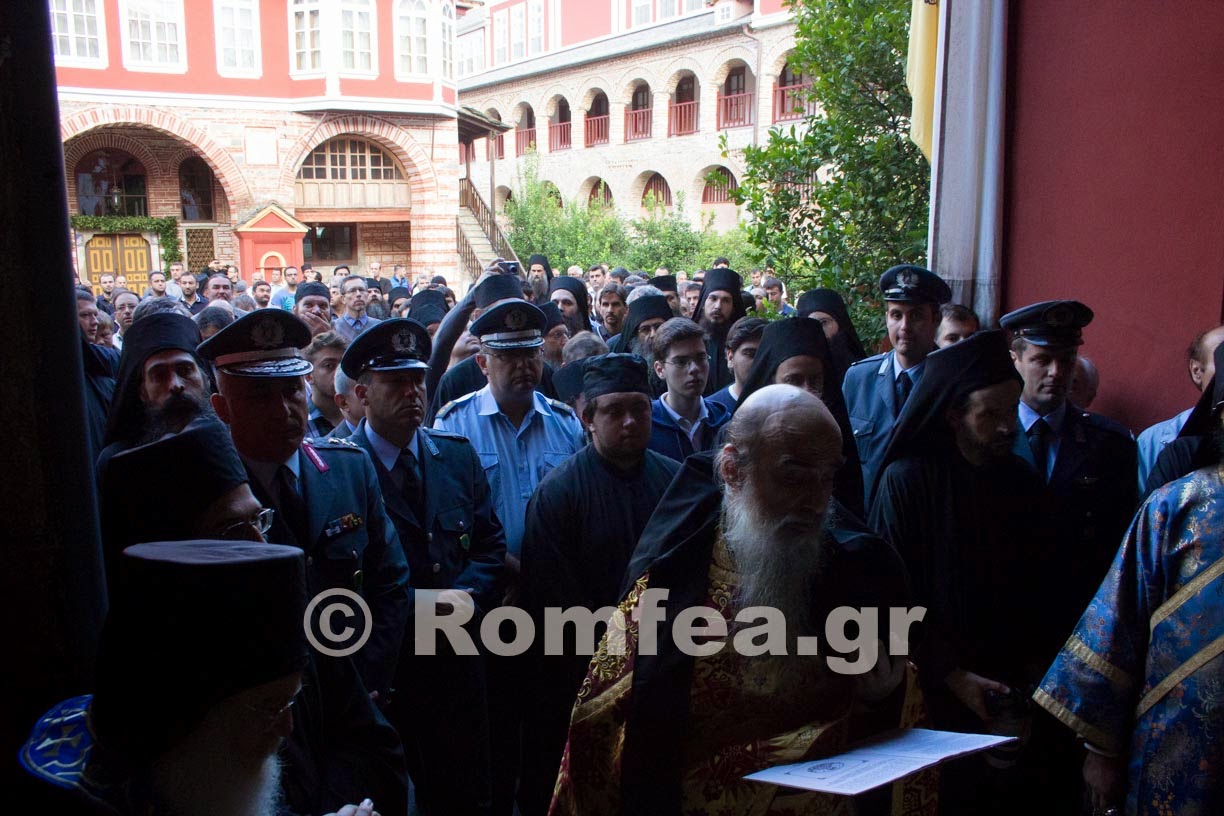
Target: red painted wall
771,6
1115,185
587,21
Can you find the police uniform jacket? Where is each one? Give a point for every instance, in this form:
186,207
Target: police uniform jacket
869,391
1090,499
350,544
460,543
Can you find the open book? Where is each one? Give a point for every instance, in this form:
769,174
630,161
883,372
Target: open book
882,759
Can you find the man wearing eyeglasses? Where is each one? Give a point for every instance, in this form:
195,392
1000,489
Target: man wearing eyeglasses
684,422
354,321
325,494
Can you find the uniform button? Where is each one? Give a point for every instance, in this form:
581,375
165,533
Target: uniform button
461,525
437,568
429,536
309,560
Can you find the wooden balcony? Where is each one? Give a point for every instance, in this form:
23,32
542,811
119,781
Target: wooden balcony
637,124
736,110
524,140
790,102
559,136
596,130
682,118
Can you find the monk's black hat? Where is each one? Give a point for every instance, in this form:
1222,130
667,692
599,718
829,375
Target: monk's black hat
427,306
497,287
613,374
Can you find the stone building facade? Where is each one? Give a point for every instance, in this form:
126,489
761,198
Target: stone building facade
640,106
340,115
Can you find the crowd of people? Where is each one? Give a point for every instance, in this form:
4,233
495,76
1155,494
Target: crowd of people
586,441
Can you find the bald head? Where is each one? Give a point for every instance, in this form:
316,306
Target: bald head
1201,356
780,437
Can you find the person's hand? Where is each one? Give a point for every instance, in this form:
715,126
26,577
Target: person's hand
1105,779
450,599
971,690
366,808
316,322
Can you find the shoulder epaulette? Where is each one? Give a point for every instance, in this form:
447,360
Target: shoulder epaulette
448,407
1104,423
332,443
875,358
558,405
445,434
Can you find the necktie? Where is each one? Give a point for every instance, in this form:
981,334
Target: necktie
292,508
1039,442
902,387
410,479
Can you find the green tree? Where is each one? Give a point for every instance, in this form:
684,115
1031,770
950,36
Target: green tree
841,196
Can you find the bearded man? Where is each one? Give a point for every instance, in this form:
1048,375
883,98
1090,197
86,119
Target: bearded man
656,730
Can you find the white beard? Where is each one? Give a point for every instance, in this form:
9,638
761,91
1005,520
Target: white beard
199,780
776,559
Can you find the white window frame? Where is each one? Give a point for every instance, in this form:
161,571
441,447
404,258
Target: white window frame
536,28
398,32
639,5
691,6
501,38
518,32
670,9
74,60
245,73
449,38
305,7
357,6
129,60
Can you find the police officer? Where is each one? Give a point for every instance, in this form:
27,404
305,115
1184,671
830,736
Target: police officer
520,435
875,388
325,494
1087,461
441,505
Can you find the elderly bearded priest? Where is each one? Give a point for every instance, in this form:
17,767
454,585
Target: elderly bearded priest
658,731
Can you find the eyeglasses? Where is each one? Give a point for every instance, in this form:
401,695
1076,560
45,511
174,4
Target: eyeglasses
261,522
361,289
270,715
698,360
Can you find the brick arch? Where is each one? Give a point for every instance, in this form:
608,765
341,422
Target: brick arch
520,108
550,99
624,86
78,148
422,180
222,213
775,58
732,59
587,92
676,68
228,174
638,188
697,188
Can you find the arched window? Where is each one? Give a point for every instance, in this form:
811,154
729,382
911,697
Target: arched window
600,193
352,159
658,190
349,171
718,186
411,37
448,41
111,182
196,189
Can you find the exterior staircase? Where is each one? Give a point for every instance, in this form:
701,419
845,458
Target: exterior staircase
478,238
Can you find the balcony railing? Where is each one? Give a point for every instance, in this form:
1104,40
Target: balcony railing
524,140
497,145
596,128
790,102
735,110
637,124
559,136
682,118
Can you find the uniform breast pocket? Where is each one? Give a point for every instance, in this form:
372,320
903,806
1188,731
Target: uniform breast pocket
548,461
492,471
344,559
861,428
456,525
